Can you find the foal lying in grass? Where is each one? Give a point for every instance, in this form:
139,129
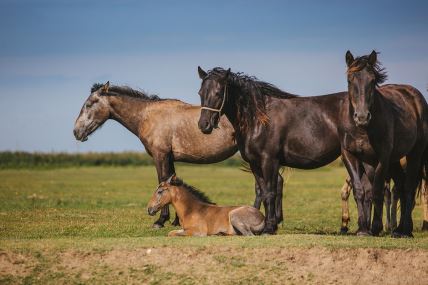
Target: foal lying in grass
199,216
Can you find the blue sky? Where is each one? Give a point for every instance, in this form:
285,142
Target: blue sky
52,51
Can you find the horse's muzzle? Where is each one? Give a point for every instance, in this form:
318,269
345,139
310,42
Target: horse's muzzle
151,211
205,127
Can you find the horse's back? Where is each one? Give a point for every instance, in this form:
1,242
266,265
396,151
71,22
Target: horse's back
174,126
407,100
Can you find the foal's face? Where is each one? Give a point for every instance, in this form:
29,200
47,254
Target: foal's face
361,87
212,94
94,113
160,198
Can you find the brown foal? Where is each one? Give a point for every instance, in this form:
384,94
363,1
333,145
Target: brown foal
199,217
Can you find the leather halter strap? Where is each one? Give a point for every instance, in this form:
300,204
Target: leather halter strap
222,103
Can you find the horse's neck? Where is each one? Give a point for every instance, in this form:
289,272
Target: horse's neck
231,112
128,111
184,202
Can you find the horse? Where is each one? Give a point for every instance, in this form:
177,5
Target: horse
166,127
274,127
201,217
380,126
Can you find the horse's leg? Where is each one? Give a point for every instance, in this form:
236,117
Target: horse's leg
394,204
179,233
345,192
425,206
267,177
387,193
377,190
278,202
258,200
397,174
367,182
355,172
164,168
413,177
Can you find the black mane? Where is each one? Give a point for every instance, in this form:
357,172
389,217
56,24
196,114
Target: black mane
362,62
192,190
125,91
251,94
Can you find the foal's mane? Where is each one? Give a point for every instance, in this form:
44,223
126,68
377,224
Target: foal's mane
362,62
125,91
192,190
250,100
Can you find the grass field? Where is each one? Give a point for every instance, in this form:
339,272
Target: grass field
89,225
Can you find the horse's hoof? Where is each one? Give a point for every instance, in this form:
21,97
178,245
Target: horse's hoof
425,226
364,233
376,232
268,231
401,235
344,230
157,225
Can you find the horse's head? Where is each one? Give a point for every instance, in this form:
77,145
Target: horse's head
213,95
161,197
364,74
94,113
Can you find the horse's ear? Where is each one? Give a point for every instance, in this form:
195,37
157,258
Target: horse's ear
105,87
373,58
349,58
227,74
171,179
202,73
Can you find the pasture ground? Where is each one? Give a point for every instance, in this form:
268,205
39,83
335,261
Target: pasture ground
89,225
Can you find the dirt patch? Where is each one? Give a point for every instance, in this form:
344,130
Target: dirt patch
229,265
15,264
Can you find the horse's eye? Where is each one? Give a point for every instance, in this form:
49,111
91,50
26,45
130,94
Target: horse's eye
89,105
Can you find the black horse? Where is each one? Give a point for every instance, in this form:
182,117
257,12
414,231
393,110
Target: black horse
381,125
272,127
276,128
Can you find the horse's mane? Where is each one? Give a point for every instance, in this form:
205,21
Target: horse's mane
250,100
125,91
362,62
192,190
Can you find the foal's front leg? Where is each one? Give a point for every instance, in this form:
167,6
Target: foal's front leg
179,233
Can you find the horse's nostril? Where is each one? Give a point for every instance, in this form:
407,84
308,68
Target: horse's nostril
75,133
355,115
369,116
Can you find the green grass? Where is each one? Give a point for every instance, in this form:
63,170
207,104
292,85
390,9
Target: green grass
79,215
111,202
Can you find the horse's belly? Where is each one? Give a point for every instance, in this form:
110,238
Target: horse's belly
309,155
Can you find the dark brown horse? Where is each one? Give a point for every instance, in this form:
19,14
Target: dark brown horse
200,217
380,126
167,128
276,128
272,127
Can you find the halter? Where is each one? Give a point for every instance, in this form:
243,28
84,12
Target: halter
222,103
